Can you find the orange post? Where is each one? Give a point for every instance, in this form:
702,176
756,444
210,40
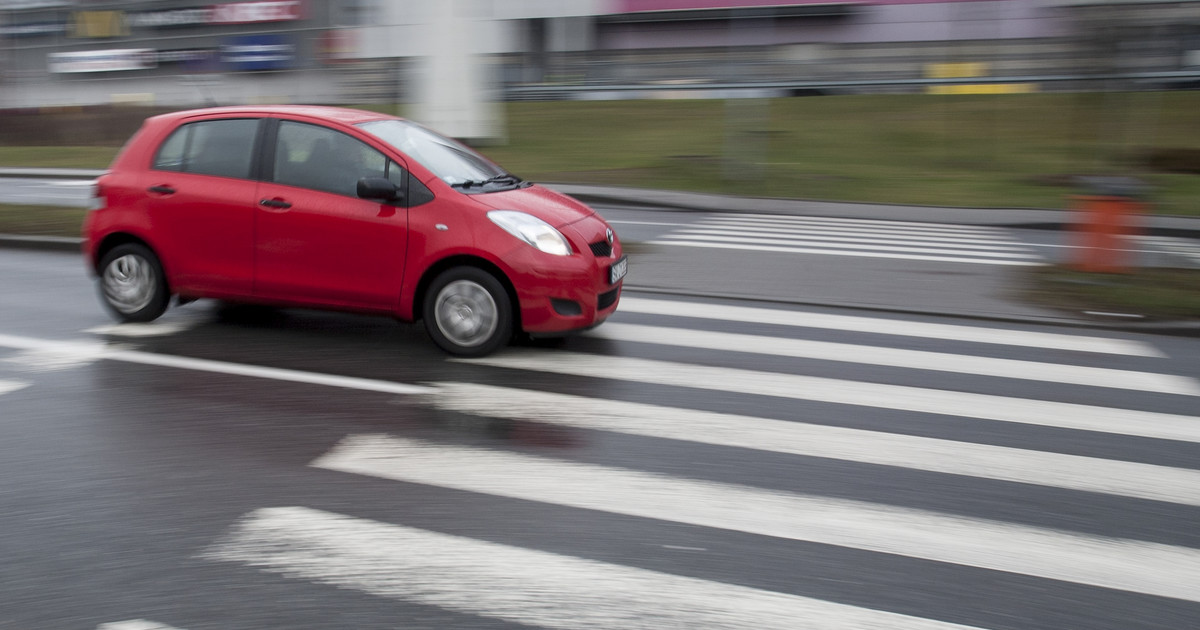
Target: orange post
1102,231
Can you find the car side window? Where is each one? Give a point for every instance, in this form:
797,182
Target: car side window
311,156
224,148
170,154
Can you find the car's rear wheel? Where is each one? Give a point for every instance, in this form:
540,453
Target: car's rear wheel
467,312
132,283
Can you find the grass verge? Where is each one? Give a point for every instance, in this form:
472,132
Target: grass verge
57,157
1154,293
41,220
999,151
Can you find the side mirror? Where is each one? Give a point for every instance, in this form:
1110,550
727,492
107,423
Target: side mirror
378,188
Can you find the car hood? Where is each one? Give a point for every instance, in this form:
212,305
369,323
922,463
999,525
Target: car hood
548,205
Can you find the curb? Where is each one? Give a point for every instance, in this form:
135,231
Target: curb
44,243
1175,328
53,173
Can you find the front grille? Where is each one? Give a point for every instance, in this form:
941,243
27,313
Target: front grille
601,249
607,299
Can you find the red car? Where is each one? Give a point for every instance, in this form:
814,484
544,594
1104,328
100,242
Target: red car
348,210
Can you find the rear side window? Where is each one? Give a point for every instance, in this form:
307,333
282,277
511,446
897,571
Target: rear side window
224,148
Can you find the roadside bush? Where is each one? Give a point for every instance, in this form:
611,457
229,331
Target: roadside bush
105,125
1174,160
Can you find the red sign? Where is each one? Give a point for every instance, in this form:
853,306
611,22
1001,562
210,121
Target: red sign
637,6
263,11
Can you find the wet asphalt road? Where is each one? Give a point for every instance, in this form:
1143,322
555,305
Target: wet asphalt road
196,497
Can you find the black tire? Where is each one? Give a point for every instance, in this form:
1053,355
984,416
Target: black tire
132,283
467,312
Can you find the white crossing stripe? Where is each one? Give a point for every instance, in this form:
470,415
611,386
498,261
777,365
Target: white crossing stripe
11,386
150,329
96,351
1185,247
854,323
899,397
897,357
963,242
837,252
524,586
876,223
984,461
1128,565
852,237
876,246
134,624
897,230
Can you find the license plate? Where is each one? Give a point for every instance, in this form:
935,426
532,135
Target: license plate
618,270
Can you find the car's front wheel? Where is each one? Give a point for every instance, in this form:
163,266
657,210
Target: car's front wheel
467,312
132,283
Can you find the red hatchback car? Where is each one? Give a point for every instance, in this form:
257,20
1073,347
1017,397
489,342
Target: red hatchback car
348,210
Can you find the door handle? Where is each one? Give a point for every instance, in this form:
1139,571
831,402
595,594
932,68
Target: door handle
161,190
275,203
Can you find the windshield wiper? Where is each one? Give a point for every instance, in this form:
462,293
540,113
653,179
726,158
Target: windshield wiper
505,178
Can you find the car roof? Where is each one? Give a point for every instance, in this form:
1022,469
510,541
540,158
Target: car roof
343,115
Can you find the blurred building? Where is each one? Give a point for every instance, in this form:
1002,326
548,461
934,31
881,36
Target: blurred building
187,52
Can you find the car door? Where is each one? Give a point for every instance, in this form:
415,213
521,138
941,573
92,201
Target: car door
200,199
316,241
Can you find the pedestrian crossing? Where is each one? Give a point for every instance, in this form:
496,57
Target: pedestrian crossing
1185,249
649,378
865,238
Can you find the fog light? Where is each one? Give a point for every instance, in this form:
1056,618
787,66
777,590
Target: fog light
566,308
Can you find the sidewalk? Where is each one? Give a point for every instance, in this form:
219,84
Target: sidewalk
892,288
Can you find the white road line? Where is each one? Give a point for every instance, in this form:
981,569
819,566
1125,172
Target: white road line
772,219
1127,565
898,357
852,237
849,230
134,624
648,223
82,183
950,332
96,351
7,387
983,461
877,247
899,397
278,374
832,252
524,586
152,329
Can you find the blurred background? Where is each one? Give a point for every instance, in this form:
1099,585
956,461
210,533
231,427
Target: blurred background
951,102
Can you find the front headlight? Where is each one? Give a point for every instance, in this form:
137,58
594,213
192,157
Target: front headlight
532,230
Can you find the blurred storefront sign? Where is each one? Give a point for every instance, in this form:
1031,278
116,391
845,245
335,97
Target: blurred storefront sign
336,45
97,24
229,13
190,59
33,29
970,70
258,52
171,18
250,12
102,60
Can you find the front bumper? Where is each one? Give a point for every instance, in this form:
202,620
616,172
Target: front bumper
563,294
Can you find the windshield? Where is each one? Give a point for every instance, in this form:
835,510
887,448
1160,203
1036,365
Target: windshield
454,163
